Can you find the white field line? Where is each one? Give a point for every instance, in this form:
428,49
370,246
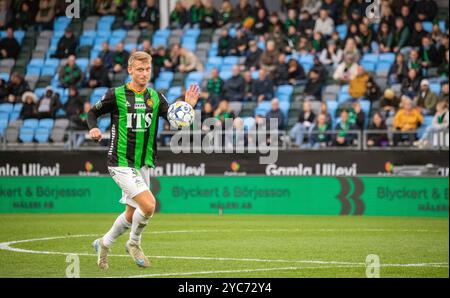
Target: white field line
7,246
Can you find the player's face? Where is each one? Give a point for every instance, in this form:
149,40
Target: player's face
140,72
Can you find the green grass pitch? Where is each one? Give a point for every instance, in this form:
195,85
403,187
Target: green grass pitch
230,246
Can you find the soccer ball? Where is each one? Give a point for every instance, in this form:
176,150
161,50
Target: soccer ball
180,114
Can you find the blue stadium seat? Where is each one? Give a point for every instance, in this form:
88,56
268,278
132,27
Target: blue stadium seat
18,107
4,76
306,59
189,45
192,32
39,92
42,135
161,83
372,58
230,60
166,75
130,46
86,41
213,52
368,66
26,134
383,66
255,74
225,74
119,33
3,123
104,123
174,93
442,26
89,33
159,41
14,116
195,76
427,26
162,32
342,30
30,123
52,62
114,41
105,32
48,70
284,89
387,57
4,116
83,63
6,107
36,62
216,61
263,108
249,122
34,70
435,87
46,123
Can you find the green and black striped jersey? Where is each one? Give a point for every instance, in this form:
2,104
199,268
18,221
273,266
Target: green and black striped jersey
134,125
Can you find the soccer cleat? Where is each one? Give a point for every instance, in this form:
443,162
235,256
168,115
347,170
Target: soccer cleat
102,253
135,251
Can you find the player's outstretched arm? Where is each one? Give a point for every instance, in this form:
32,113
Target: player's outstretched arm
192,95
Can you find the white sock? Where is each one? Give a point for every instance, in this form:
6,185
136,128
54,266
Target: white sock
118,228
138,226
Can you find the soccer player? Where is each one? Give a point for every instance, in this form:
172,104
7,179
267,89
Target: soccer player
134,110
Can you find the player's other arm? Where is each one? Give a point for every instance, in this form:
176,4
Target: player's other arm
106,105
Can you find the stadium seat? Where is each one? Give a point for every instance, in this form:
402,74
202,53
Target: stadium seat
17,107
387,57
225,74
372,58
42,135
14,116
195,76
427,26
230,60
6,107
306,59
216,61
4,76
368,66
119,33
3,123
166,75
249,122
86,41
26,134
159,41
104,123
48,70
174,93
342,30
46,123
435,87
263,108
162,84
34,70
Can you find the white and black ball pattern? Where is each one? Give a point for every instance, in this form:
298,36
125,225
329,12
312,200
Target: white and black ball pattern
180,114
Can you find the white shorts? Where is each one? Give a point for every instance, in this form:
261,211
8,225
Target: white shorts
131,181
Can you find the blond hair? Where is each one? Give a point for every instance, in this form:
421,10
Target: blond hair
139,56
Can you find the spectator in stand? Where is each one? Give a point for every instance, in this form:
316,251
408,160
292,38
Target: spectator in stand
317,43
351,48
105,7
3,91
356,116
280,74
239,44
389,103
225,43
45,15
417,34
319,133
131,15
80,121
444,92
365,38
160,58
428,54
291,20
406,121
67,45
248,87
120,58
24,18
17,86
408,18
263,87
48,104
295,72
106,55
98,75
6,15
358,84
189,62
174,58
437,37
74,105
443,68
207,111
401,35
319,68
196,13
214,88
426,99
306,22
426,10
443,48
253,58
377,139
305,122
343,128
414,61
9,47
347,70
331,56
178,16
291,40
243,10
277,36
223,112
324,24
28,110
70,74
274,21
275,113
411,84
235,86
312,6
270,57
373,91
210,15
261,25
398,71
314,85
149,16
226,13
438,125
384,38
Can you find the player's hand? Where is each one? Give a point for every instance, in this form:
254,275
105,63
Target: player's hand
95,134
192,95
